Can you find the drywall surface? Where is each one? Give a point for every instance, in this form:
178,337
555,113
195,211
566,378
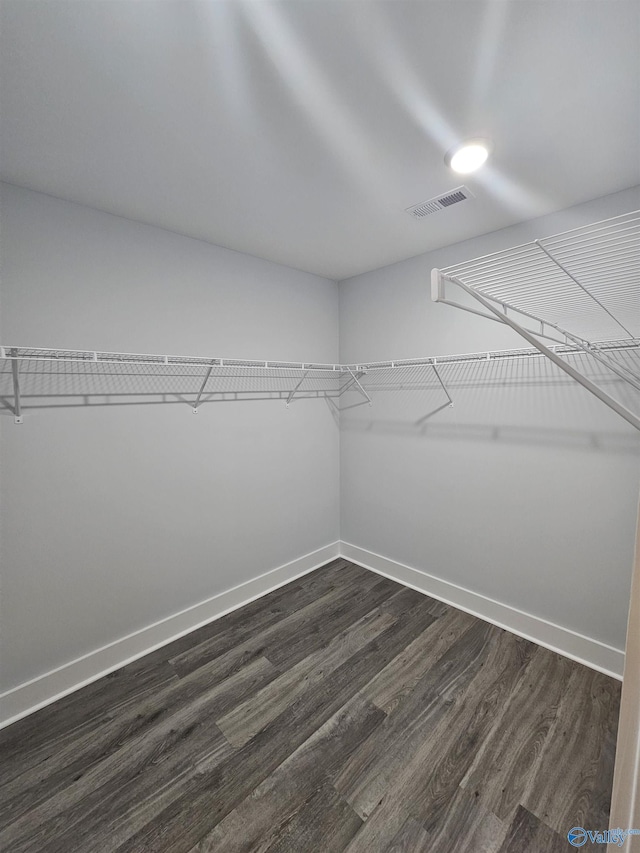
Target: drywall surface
526,491
114,517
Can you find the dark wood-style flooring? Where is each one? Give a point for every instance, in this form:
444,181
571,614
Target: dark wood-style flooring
340,712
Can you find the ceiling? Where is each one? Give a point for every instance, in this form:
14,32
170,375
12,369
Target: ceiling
300,131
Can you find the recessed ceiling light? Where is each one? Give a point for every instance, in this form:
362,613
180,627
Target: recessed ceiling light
468,156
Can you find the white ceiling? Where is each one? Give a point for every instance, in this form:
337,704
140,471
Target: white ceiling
300,131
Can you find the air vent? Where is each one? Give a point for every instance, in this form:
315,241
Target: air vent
441,202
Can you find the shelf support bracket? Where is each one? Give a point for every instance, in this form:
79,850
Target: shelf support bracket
447,405
609,401
292,393
357,382
444,387
201,391
17,407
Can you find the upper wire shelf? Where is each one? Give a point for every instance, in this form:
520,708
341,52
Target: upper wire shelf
585,282
581,288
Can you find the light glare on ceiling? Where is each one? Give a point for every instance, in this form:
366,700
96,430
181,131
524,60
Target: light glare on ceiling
468,156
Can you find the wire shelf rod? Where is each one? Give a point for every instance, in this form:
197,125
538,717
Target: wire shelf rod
615,240
515,277
580,285
615,222
521,250
540,267
599,243
611,222
544,273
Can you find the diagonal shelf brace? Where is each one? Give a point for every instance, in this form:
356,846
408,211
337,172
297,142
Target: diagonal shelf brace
338,409
447,405
562,336
438,294
609,401
619,369
202,387
292,393
357,382
359,374
444,387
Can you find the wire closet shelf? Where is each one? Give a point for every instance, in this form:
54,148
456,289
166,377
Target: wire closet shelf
578,292
40,378
580,289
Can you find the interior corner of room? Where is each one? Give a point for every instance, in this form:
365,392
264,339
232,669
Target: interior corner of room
222,367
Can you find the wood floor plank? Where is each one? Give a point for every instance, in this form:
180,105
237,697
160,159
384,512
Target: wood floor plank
285,650
325,822
466,826
564,791
218,686
252,715
599,807
364,780
268,609
403,673
285,628
428,779
59,814
75,820
510,756
35,738
212,796
256,823
528,834
38,737
411,838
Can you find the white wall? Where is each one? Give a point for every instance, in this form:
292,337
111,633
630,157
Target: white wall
526,494
114,517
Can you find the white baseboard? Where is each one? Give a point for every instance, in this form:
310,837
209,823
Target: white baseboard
45,689
38,692
569,643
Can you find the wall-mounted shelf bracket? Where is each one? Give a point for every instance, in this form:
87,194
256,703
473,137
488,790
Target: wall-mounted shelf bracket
444,387
356,381
529,336
447,405
293,391
202,387
353,382
15,370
